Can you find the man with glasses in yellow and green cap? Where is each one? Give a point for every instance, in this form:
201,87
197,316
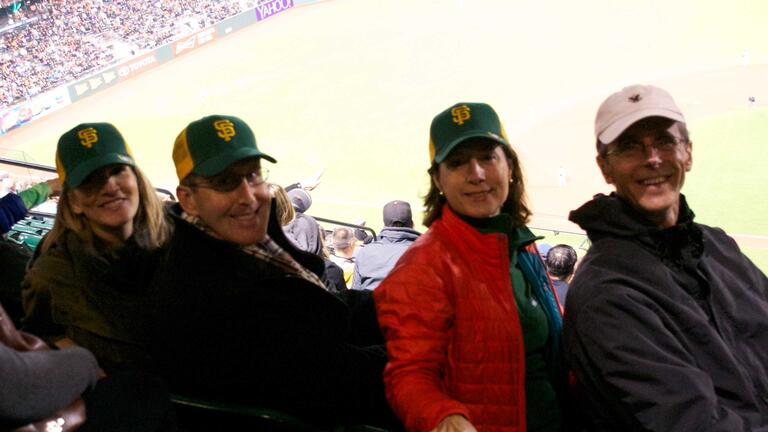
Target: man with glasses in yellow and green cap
666,326
244,315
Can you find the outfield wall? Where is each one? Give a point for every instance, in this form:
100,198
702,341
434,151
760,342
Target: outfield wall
58,98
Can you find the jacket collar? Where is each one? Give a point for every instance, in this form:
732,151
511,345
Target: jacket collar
611,216
311,261
479,242
399,233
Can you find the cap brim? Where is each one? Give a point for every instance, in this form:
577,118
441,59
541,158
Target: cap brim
215,165
620,125
440,157
79,174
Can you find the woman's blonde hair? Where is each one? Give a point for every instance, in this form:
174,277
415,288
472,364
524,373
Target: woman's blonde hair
150,227
283,206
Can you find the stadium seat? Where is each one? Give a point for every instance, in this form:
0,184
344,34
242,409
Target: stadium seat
23,227
29,239
198,414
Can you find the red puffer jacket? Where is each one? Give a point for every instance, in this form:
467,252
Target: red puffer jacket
454,339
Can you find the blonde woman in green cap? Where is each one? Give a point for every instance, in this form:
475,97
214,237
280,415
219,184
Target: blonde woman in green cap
87,286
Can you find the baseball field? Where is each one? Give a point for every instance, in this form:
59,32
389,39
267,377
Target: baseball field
350,87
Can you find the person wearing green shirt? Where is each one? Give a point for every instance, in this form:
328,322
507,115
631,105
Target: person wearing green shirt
14,207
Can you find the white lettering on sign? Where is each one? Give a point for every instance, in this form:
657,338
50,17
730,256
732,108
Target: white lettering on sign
205,36
268,9
182,46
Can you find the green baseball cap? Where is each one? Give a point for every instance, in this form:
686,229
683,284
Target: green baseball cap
461,122
88,147
208,146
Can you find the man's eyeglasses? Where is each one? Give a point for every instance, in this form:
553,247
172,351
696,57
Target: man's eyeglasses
227,182
632,148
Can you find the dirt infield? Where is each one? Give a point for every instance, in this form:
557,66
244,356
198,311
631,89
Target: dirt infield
351,87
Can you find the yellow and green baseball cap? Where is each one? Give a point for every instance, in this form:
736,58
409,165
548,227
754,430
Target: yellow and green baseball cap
461,122
208,146
88,147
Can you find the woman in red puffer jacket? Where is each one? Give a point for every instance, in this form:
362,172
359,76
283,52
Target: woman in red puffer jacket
469,314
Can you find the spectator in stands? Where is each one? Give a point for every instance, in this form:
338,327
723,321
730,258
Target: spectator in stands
88,283
470,318
14,257
561,262
303,230
666,326
333,277
243,314
375,260
343,254
43,387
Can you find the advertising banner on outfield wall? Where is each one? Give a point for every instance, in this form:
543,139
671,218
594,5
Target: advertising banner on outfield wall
34,108
192,42
235,23
269,8
137,65
99,81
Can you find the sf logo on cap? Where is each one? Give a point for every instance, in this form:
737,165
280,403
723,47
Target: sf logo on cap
460,114
88,137
226,129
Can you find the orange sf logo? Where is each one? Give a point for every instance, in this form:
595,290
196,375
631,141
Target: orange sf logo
460,114
88,137
226,129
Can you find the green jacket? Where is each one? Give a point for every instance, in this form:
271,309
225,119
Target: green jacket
93,295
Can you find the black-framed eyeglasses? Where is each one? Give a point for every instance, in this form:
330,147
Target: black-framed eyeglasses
227,182
632,148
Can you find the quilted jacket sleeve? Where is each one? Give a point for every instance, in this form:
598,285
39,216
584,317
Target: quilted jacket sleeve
415,311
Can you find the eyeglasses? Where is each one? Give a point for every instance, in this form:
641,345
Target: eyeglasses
227,182
632,148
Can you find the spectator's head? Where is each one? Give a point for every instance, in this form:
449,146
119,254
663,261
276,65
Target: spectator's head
300,199
343,241
104,193
398,214
561,261
644,150
221,180
283,207
473,167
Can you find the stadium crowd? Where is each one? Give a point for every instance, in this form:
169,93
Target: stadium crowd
61,41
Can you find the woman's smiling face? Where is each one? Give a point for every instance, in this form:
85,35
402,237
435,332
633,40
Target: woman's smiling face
475,178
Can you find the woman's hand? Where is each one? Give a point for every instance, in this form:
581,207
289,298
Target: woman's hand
455,423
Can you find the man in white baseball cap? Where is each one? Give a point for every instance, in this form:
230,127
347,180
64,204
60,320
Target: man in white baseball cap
667,323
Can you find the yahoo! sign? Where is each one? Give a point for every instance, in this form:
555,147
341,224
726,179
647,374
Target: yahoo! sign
266,9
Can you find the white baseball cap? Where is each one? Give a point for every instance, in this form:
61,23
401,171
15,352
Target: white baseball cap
636,102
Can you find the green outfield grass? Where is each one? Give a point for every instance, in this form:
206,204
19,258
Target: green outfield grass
728,184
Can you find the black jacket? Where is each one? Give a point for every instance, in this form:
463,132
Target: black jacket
236,327
666,330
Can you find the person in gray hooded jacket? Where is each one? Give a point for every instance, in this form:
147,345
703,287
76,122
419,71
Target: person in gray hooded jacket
375,260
